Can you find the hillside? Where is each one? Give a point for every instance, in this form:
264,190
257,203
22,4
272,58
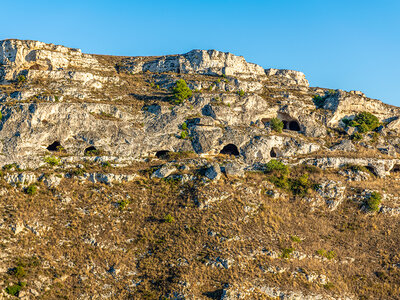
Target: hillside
193,176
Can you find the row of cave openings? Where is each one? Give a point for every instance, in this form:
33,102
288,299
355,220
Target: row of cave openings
230,149
292,125
56,147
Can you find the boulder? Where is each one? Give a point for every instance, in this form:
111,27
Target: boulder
234,169
213,172
164,171
344,145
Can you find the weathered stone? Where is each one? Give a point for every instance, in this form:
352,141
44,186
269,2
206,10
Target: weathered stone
234,169
344,145
203,62
213,172
164,171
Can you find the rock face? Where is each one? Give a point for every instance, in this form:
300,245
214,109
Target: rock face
56,80
17,56
202,62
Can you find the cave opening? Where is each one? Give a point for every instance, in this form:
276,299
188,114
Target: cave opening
371,170
396,169
230,149
294,126
91,151
162,154
55,146
273,153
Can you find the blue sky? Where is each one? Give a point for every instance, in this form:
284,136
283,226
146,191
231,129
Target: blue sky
351,45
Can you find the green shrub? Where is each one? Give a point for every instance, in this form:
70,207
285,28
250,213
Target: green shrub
368,119
78,172
181,91
276,165
169,219
241,93
21,78
184,134
52,160
300,186
280,182
364,122
287,252
276,124
106,164
31,189
374,201
14,290
123,204
295,238
184,126
1,116
357,136
18,272
328,254
318,101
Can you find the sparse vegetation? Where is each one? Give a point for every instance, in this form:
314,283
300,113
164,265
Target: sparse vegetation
21,79
31,189
106,164
319,101
295,238
52,160
184,126
287,253
169,219
240,93
184,134
123,204
327,254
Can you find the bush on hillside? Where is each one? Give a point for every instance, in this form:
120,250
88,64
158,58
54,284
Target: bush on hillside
276,125
181,92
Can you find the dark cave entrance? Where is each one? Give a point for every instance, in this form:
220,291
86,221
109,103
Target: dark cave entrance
294,126
91,151
371,170
273,153
56,146
162,154
396,169
230,149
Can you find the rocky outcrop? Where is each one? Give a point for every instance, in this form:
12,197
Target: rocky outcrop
17,56
380,167
202,62
346,105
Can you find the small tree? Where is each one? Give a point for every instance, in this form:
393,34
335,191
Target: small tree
276,125
181,91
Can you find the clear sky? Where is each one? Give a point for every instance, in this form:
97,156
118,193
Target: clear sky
350,45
